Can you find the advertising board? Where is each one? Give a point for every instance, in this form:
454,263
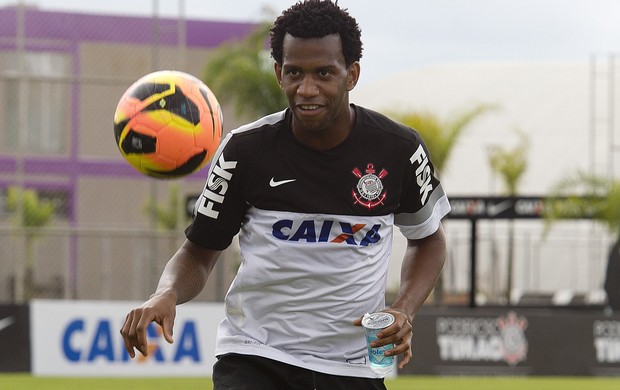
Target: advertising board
14,338
515,341
82,338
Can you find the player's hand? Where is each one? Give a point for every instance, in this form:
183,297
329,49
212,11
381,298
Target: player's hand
160,308
399,333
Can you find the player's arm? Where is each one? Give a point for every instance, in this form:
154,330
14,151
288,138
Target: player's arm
183,278
186,273
422,264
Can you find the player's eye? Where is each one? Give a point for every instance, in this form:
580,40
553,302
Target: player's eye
293,72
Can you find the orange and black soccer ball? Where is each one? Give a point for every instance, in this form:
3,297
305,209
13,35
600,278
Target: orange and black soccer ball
168,124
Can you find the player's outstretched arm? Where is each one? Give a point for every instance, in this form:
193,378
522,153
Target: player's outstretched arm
182,279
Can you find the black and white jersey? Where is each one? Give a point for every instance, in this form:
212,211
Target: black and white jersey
315,233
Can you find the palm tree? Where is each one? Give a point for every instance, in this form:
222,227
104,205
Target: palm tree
32,213
242,73
167,215
510,165
586,195
440,136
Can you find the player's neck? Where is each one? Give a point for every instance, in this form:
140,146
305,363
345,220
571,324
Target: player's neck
327,137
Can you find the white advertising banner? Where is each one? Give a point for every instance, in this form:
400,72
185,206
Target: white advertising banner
82,338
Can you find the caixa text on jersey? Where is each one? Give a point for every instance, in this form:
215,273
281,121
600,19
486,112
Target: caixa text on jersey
327,231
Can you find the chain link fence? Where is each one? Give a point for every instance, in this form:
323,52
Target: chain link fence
564,266
74,221
61,75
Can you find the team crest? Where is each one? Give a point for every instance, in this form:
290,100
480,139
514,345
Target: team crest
512,328
369,189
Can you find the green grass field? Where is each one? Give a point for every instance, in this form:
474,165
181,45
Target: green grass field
15,382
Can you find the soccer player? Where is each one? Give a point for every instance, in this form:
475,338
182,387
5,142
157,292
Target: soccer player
314,192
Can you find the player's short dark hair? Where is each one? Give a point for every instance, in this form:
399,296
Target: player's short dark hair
316,19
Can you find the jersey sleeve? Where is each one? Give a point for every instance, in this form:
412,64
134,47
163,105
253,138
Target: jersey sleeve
424,202
219,209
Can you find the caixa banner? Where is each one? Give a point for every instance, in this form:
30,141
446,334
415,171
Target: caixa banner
82,338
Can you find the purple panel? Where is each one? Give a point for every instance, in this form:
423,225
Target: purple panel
7,165
76,167
212,34
48,165
8,22
38,185
121,29
115,168
107,168
85,27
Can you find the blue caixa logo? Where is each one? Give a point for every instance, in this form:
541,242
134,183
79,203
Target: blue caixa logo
89,341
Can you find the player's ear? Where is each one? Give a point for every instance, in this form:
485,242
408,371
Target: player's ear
353,75
278,70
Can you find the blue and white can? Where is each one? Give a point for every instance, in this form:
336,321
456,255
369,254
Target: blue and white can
373,323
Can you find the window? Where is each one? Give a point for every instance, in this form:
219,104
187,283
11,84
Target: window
46,107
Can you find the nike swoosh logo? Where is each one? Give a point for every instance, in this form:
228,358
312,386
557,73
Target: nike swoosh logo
274,183
495,209
6,322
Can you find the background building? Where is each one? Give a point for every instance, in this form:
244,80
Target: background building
61,75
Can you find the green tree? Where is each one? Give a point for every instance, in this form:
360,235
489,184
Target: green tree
510,165
33,213
167,218
166,215
585,195
242,73
440,136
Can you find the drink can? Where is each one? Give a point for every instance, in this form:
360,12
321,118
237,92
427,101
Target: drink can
373,323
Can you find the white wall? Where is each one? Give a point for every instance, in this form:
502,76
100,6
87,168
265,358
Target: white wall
550,102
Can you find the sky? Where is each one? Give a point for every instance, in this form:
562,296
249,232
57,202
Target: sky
400,35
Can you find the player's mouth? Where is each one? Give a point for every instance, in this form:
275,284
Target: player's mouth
310,109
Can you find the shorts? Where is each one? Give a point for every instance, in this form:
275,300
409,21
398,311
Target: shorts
248,372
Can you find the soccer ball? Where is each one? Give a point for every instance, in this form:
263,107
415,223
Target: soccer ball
168,124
